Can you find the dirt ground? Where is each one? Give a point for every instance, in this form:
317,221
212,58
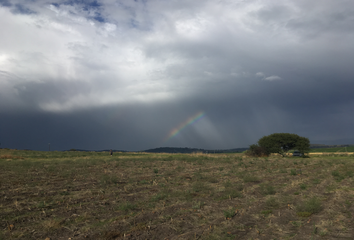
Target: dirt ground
78,195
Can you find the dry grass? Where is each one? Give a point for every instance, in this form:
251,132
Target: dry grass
10,157
79,195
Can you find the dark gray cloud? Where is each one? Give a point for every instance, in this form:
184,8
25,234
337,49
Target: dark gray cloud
125,74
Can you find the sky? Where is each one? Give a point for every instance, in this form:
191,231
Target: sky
140,74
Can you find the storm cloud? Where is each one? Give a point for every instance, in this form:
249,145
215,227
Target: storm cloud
124,74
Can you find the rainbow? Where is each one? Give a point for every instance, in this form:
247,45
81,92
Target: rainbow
183,125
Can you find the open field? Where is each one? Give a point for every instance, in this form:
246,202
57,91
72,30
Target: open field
84,195
338,149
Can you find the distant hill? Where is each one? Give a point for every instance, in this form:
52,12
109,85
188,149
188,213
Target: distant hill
191,150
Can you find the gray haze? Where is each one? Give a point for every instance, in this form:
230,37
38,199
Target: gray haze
125,74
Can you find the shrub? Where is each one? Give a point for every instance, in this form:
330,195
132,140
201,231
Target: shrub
256,151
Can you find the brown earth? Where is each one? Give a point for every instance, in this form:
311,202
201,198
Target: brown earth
174,196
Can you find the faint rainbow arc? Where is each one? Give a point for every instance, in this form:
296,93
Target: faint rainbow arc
188,122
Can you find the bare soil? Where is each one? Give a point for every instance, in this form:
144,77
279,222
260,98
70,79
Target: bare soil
71,195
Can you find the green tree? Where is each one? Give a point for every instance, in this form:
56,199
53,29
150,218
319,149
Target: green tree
303,145
283,142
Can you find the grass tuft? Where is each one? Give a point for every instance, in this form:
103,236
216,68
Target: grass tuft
229,213
250,178
312,205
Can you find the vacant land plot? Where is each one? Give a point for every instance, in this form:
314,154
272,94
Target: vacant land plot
79,195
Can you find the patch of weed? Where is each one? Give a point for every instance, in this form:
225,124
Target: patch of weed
316,181
158,197
198,175
127,206
198,205
213,180
267,189
143,182
250,178
272,202
312,205
266,212
350,173
64,193
297,223
200,187
180,168
231,193
304,214
227,184
229,213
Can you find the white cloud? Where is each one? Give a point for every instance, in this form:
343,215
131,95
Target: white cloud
273,78
260,74
157,51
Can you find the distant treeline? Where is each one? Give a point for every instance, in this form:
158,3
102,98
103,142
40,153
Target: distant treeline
330,146
82,150
349,147
192,150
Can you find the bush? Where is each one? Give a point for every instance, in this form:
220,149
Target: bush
256,151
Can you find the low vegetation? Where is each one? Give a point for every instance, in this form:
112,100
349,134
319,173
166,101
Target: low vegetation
90,195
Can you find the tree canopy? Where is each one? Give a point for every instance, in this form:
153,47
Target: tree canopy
280,143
